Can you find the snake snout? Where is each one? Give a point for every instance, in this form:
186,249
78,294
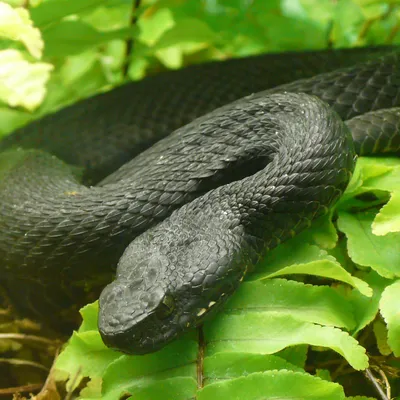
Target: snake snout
167,284
129,316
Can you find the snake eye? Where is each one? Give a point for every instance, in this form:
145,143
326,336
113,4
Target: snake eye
166,307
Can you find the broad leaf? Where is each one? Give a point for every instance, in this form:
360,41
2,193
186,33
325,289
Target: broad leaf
297,258
390,309
21,82
319,304
15,24
266,333
273,385
382,253
73,37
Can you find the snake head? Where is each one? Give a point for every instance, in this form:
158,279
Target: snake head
170,279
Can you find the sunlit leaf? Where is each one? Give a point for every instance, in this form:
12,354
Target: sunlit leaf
184,31
53,11
380,332
266,333
273,384
390,310
382,253
222,366
172,371
259,345
348,22
21,82
366,308
152,26
388,218
15,24
296,258
318,304
73,37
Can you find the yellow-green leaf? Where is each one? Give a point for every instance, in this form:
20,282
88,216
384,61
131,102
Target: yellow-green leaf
15,24
22,83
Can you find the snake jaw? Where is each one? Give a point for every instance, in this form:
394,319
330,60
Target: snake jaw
141,315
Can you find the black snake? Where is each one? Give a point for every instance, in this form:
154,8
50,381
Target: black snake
189,216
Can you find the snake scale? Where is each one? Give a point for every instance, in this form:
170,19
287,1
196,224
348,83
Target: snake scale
184,183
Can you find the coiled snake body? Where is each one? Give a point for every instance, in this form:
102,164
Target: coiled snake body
189,216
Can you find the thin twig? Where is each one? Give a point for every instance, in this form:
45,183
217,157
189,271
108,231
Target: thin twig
29,338
72,385
375,384
46,387
387,384
200,359
18,361
33,387
129,42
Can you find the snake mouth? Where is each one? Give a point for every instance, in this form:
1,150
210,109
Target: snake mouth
130,321
141,338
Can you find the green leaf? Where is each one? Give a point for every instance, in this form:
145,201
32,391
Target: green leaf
177,388
323,374
15,24
299,258
87,42
12,119
73,37
273,384
285,33
172,369
366,308
154,25
85,356
388,218
380,332
92,390
382,253
186,31
21,82
390,310
53,11
371,174
296,355
318,304
71,83
348,22
222,366
89,315
322,233
171,57
266,333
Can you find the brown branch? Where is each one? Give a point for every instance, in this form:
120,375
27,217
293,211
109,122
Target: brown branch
387,384
33,387
49,388
129,42
18,361
200,359
368,374
29,338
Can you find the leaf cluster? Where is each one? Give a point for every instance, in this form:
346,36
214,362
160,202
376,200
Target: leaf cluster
320,307
315,294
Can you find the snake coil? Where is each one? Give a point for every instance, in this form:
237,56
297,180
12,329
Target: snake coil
186,218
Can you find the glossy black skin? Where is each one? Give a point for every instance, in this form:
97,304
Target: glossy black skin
60,239
173,275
